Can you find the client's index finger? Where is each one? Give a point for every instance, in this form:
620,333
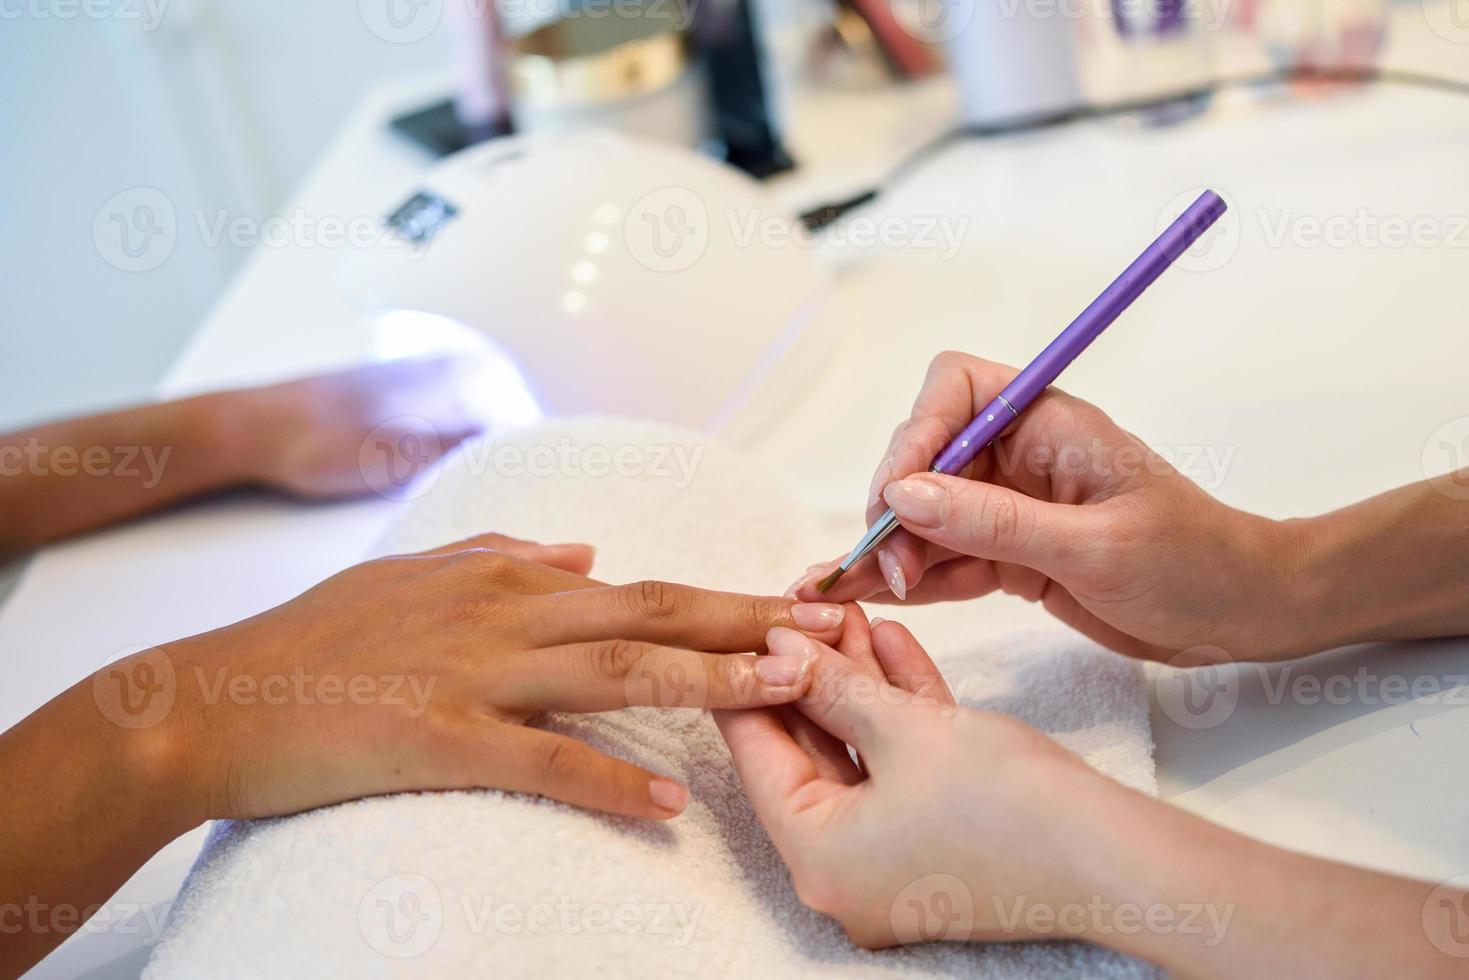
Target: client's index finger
674,615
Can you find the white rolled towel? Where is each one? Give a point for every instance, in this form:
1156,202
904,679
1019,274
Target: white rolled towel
493,883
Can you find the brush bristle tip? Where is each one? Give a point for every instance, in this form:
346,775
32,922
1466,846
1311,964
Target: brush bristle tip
825,584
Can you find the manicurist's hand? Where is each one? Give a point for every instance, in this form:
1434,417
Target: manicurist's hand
966,825
1072,511
416,672
949,804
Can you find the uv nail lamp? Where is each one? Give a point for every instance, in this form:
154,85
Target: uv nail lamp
621,277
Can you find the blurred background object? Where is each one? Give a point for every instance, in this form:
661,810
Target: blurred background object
154,141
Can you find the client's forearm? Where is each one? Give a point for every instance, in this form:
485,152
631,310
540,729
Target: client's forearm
1395,567
66,477
87,800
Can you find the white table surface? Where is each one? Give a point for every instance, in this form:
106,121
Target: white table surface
1320,374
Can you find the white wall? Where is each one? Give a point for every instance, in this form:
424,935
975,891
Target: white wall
201,106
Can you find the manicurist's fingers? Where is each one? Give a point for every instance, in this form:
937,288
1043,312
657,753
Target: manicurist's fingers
855,642
872,578
987,521
831,757
907,665
529,760
677,615
848,701
774,770
610,674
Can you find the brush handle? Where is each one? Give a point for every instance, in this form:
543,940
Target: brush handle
1038,375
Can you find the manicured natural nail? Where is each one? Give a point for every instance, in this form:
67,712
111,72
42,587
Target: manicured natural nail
781,671
818,617
892,573
918,501
782,642
879,480
877,621
668,795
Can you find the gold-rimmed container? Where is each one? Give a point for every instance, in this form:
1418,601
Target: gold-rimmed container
617,65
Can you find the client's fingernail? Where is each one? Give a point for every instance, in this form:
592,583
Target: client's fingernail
781,671
918,501
817,616
892,572
877,621
782,642
809,575
668,795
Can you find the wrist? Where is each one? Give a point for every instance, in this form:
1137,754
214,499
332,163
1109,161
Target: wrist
155,746
224,426
1165,884
1289,574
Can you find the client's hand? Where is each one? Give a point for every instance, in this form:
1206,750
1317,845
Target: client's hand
418,672
366,429
1072,511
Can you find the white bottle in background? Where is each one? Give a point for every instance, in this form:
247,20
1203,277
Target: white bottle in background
1009,58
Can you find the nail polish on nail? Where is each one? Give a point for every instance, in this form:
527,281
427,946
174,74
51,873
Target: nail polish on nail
918,501
810,574
781,671
668,795
782,642
818,616
892,571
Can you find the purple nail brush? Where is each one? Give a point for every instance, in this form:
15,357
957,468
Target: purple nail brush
1041,372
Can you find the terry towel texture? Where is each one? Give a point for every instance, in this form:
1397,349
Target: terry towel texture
487,883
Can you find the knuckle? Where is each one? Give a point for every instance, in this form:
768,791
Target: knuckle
655,600
947,362
557,762
758,614
615,659
997,521
495,565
